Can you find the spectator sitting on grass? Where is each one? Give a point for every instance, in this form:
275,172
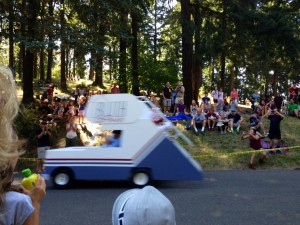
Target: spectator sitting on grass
193,107
293,108
199,121
58,111
220,106
233,106
211,119
222,122
44,110
181,108
235,120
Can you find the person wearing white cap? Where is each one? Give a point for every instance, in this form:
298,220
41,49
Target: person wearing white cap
143,206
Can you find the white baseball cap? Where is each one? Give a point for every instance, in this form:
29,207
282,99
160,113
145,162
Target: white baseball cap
143,206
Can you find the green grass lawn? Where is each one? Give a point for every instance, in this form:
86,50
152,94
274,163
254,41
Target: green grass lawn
213,143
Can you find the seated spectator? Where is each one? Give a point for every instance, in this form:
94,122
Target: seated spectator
256,123
50,91
257,106
220,106
143,206
206,106
293,108
44,110
222,122
58,112
233,106
113,141
211,119
235,120
278,101
193,107
181,108
199,121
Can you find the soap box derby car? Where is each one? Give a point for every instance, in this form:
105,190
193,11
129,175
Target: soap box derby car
147,151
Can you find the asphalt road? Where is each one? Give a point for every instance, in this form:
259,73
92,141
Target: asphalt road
223,197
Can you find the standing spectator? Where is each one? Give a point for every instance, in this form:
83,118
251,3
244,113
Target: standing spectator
50,93
81,109
180,92
235,120
115,89
206,106
254,99
167,97
17,206
215,94
221,94
255,143
293,91
205,98
275,118
99,92
278,101
76,94
43,136
199,121
71,135
193,107
234,95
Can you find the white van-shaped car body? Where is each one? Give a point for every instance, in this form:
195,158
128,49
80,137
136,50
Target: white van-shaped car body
147,151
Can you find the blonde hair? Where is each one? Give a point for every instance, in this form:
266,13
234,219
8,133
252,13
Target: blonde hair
9,108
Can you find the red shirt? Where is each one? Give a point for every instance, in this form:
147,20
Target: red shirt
115,90
50,91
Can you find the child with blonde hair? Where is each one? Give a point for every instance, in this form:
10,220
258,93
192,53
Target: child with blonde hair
17,206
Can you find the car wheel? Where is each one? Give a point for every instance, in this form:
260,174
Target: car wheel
141,178
62,178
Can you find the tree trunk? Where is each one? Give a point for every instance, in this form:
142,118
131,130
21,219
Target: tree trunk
92,64
63,83
197,67
50,48
35,66
224,37
28,65
134,53
99,72
187,50
42,51
232,78
123,57
11,34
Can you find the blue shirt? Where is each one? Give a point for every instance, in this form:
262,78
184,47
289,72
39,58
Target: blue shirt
114,142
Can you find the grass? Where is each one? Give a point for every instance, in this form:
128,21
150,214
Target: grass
213,143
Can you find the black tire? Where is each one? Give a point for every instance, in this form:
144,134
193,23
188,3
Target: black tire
141,177
62,178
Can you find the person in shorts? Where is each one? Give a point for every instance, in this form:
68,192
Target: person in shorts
235,120
199,121
43,139
167,97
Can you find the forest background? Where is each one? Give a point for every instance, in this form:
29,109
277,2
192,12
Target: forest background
142,44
